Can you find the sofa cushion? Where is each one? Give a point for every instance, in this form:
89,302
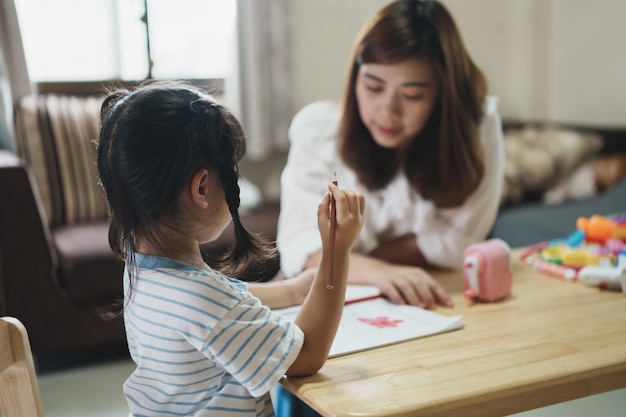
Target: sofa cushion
539,158
89,271
55,135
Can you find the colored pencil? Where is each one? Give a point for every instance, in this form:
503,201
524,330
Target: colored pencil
330,283
531,250
366,298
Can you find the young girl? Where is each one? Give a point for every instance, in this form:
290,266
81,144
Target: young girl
203,343
416,133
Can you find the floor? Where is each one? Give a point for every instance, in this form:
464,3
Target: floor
85,387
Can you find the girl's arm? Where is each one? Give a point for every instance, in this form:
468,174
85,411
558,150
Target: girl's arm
321,311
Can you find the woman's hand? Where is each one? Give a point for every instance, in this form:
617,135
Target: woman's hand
300,285
412,285
284,292
400,284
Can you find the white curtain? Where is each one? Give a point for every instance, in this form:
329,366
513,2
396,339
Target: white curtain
14,80
264,75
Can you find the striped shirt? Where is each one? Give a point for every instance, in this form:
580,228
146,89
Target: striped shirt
203,345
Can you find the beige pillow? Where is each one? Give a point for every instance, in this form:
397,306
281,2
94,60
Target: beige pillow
55,135
538,158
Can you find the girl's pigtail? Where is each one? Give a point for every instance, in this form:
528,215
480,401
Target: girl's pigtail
226,147
250,248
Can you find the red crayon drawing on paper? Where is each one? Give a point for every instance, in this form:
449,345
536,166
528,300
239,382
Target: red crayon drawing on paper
381,322
390,323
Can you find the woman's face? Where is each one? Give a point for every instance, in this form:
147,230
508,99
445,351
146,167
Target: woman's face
396,100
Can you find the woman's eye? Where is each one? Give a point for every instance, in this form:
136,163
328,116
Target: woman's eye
373,89
413,97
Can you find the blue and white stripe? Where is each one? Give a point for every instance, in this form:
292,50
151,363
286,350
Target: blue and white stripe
202,343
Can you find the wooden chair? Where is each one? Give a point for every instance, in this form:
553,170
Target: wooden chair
19,392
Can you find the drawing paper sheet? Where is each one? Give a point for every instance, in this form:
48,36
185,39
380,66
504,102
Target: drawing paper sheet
377,322
356,292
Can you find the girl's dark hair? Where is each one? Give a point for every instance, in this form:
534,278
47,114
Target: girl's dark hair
445,162
152,141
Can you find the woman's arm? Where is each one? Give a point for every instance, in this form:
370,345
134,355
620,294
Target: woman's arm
284,293
304,179
402,251
402,282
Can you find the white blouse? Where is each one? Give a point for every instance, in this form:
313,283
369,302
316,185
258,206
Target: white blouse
395,211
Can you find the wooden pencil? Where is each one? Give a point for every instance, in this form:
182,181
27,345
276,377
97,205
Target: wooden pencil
330,283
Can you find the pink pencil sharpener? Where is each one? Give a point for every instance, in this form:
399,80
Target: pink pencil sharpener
487,271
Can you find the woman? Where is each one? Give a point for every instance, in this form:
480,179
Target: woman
418,136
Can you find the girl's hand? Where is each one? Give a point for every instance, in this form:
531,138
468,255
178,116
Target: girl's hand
350,207
321,310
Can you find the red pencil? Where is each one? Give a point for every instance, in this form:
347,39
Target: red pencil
531,250
366,298
330,283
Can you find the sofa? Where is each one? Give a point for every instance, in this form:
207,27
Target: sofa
556,174
60,278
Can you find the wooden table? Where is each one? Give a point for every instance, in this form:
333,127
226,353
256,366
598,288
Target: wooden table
552,341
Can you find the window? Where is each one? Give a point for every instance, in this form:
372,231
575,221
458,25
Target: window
76,41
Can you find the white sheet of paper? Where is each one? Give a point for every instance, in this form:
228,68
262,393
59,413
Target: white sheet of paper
377,322
355,292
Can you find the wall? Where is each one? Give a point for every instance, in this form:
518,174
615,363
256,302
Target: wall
555,60
323,32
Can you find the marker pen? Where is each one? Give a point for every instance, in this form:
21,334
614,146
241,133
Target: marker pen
555,270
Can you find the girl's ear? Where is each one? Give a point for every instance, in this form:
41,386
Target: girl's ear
201,188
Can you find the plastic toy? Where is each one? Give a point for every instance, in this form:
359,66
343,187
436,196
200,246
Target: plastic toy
590,253
605,276
576,257
620,231
615,245
600,228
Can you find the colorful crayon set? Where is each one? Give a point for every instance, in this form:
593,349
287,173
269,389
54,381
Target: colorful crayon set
594,254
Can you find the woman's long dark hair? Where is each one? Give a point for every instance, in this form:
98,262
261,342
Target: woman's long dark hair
152,140
445,162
